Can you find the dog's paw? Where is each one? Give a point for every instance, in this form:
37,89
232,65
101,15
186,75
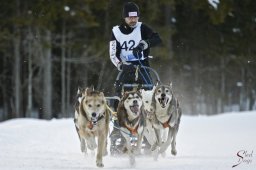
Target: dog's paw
100,164
174,152
132,161
83,147
162,148
155,155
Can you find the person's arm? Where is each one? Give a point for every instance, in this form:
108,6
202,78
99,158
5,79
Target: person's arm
114,51
151,37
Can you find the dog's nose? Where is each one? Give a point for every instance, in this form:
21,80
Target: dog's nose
94,114
135,101
163,95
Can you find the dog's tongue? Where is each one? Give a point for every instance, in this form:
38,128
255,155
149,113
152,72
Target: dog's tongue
163,101
134,108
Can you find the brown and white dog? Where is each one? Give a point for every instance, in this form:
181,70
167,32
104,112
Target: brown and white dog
167,114
92,120
131,121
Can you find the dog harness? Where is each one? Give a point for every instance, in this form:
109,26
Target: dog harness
133,131
166,124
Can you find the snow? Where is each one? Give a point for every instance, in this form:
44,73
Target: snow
202,143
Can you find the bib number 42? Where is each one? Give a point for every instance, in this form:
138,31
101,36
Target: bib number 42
128,45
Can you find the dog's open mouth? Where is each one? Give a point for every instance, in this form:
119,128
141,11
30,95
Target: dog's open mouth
163,101
135,108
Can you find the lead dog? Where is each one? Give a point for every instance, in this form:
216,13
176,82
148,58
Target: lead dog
166,114
92,120
131,121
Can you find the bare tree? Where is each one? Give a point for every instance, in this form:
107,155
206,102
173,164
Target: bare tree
47,78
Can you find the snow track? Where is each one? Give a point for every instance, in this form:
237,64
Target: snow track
202,143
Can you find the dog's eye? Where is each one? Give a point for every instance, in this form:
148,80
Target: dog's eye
137,97
98,105
89,105
159,91
129,98
167,91
146,101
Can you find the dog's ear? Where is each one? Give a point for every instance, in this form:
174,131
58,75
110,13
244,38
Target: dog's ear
138,91
86,91
156,83
104,99
154,88
125,94
102,94
79,90
141,91
92,87
170,84
81,109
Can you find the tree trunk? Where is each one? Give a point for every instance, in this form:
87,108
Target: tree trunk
30,75
47,81
100,79
17,76
63,70
68,104
168,16
222,85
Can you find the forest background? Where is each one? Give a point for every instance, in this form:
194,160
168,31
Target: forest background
49,48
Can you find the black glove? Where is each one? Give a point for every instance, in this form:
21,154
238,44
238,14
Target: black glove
137,50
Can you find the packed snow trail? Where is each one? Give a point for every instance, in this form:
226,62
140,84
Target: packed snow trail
203,142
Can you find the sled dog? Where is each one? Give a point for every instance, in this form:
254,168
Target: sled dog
166,114
131,121
92,120
79,97
149,131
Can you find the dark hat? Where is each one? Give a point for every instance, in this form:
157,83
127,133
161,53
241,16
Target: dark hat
130,9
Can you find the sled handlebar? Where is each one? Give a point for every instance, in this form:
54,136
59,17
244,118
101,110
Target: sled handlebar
148,86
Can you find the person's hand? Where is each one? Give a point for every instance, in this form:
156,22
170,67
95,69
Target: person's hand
140,47
119,66
137,51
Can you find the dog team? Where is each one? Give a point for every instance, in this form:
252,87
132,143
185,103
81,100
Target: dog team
153,115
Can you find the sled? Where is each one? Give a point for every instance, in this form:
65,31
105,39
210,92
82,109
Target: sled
116,139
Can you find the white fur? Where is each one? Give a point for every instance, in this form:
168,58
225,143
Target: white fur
149,131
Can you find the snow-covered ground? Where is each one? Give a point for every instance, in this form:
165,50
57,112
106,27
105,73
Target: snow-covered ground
216,142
